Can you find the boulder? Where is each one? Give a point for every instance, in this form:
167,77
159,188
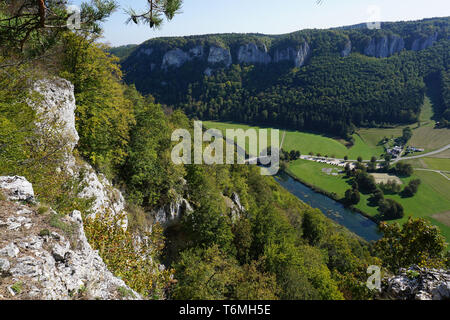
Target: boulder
417,284
17,188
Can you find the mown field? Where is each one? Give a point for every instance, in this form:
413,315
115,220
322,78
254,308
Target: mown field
309,142
442,164
425,135
433,196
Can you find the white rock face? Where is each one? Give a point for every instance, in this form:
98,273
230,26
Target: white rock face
197,52
424,43
175,58
385,46
347,49
418,284
297,56
106,196
219,55
146,51
250,53
49,266
59,105
172,212
17,188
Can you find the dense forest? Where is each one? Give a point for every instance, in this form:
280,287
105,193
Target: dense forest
349,77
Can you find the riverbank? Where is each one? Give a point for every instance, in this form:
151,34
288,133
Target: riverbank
331,195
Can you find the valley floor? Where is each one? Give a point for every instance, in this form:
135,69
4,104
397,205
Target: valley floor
431,202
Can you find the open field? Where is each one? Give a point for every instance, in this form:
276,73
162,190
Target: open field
442,164
433,196
443,154
437,163
424,135
222,126
429,138
309,142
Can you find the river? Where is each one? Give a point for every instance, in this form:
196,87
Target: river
355,222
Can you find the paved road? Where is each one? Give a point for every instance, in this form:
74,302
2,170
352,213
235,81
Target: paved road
425,154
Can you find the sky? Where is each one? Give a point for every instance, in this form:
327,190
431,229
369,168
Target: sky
266,16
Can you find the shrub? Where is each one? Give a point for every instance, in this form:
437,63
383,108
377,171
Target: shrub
137,264
390,210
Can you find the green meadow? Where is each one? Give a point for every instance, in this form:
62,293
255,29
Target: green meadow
310,142
433,196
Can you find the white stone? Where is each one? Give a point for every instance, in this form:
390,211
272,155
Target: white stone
250,53
219,55
175,58
17,188
10,250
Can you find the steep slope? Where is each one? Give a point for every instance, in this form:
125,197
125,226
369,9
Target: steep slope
45,256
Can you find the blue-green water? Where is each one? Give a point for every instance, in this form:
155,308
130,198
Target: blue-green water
355,222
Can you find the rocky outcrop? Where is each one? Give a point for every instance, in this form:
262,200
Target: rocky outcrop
424,42
175,58
39,261
250,53
347,49
298,57
106,197
56,109
236,209
17,189
385,46
172,212
418,284
57,106
197,52
219,55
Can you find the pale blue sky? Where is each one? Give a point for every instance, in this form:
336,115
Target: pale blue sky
267,16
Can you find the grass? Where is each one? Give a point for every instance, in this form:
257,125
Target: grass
424,135
437,163
309,142
17,287
125,292
433,196
429,138
442,164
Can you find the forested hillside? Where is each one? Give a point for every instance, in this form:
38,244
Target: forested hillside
329,79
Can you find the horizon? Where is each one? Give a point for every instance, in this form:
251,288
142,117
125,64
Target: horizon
275,34
203,17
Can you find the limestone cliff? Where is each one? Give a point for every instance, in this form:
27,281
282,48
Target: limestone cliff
385,46
57,105
41,261
417,284
250,53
